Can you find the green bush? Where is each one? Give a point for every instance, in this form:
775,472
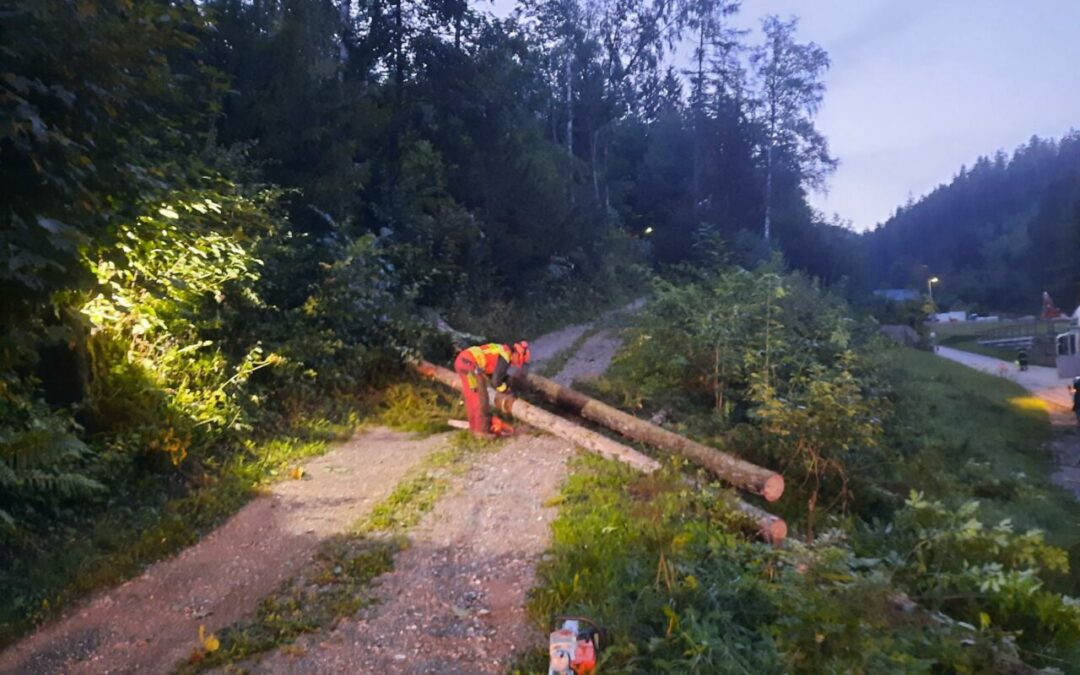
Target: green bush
665,569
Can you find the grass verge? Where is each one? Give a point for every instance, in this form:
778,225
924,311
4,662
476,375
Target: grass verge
680,589
422,486
963,434
336,585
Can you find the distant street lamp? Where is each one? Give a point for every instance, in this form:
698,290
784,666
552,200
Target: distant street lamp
930,288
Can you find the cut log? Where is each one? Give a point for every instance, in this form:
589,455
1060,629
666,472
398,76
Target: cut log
553,424
771,528
738,472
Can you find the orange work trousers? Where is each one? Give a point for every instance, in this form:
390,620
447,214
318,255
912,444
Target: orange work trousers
474,389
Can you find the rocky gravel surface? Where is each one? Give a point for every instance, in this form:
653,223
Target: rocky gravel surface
455,602
150,623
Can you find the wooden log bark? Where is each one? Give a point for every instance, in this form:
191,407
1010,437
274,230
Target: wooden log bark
738,472
771,528
553,424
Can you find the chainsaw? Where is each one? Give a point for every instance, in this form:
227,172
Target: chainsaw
498,427
574,646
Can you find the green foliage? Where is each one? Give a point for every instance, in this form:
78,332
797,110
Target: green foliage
656,566
418,406
706,338
40,467
680,591
163,289
816,433
947,559
879,586
764,362
86,145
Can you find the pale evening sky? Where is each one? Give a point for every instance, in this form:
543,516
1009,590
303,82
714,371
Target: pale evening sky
918,88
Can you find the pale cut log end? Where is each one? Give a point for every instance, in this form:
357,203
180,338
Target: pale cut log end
774,531
774,488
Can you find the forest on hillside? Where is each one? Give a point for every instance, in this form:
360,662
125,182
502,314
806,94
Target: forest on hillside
225,226
217,214
998,234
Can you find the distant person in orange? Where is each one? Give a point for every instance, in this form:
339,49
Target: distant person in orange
476,365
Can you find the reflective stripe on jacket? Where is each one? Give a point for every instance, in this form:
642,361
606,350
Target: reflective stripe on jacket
494,359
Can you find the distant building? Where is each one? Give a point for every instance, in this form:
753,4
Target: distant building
950,317
898,294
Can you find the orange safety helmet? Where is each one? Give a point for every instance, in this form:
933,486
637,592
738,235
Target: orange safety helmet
521,354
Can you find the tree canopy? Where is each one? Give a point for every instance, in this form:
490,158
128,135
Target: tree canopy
998,234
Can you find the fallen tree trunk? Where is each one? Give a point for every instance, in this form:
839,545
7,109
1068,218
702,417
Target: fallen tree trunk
553,424
771,528
738,472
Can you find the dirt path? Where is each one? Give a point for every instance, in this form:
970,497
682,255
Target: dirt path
151,622
1045,384
591,360
548,345
454,602
551,344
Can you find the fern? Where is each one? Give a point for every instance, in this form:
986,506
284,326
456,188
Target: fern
40,465
39,447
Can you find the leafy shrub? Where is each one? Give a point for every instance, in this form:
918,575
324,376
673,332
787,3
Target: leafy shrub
169,284
680,590
993,577
817,431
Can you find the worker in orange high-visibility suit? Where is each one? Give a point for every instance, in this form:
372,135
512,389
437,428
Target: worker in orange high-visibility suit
476,365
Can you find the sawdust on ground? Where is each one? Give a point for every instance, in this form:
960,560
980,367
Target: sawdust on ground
455,601
151,623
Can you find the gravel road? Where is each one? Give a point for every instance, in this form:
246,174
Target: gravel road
150,623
